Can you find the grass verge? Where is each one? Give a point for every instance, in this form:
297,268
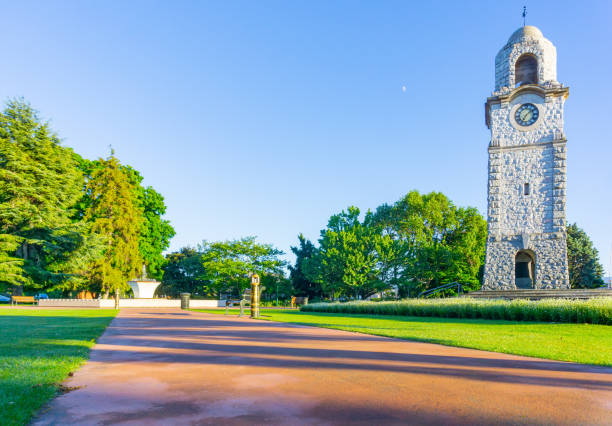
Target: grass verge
582,343
592,311
38,348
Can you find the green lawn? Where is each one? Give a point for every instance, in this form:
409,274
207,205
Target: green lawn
584,343
38,348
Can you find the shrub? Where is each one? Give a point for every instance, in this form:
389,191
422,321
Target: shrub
593,311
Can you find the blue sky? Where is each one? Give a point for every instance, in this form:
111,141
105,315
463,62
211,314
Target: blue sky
264,118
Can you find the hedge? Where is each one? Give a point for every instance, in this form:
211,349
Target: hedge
593,311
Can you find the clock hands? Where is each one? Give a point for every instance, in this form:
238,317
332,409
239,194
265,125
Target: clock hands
526,115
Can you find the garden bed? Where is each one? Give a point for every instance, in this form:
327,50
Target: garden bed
593,311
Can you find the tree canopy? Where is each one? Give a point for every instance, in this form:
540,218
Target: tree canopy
55,220
228,264
183,272
222,267
40,245
155,232
585,270
439,242
349,257
419,242
302,285
116,218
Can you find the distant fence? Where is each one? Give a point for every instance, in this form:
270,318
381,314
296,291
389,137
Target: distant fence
129,303
77,303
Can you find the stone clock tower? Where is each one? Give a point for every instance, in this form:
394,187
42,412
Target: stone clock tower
526,243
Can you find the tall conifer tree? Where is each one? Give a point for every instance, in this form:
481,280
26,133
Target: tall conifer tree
115,216
39,185
155,231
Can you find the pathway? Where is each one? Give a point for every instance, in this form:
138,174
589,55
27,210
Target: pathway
162,367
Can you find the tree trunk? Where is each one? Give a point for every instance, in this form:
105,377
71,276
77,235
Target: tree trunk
116,299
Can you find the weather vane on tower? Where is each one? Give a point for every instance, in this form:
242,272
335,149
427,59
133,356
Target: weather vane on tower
524,14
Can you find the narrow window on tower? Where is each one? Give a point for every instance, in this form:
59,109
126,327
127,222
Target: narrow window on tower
526,189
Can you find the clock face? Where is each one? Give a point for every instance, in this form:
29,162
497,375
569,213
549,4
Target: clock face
526,114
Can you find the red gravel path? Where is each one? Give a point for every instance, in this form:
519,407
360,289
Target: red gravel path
169,367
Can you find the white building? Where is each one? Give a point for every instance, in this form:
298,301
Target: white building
526,243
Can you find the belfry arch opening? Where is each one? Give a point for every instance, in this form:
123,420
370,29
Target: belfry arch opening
526,70
524,269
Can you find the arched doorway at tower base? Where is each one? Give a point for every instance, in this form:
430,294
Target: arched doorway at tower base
524,269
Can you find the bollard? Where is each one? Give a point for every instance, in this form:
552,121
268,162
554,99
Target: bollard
255,296
185,300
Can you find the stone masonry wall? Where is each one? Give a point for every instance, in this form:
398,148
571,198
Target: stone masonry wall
513,211
505,61
549,126
550,260
538,217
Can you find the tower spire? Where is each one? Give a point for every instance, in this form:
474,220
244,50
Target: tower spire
524,14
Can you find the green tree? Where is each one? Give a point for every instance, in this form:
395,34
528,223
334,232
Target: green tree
436,242
40,246
302,285
228,264
277,287
183,272
350,254
116,217
156,232
418,243
585,270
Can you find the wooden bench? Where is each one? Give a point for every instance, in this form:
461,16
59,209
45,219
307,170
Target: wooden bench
22,299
